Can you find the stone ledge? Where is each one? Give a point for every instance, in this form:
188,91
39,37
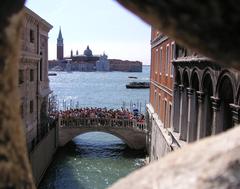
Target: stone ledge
212,163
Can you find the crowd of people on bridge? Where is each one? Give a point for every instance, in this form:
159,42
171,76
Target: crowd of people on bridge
102,113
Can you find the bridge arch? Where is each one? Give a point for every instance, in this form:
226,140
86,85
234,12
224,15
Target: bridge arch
132,138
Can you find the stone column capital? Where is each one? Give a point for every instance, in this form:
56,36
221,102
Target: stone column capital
181,87
190,91
200,96
215,103
235,113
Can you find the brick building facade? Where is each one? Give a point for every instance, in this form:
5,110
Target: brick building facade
191,97
33,75
161,88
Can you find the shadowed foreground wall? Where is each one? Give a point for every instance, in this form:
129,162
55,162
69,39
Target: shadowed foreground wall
14,167
212,163
209,27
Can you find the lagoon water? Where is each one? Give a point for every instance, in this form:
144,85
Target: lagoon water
94,160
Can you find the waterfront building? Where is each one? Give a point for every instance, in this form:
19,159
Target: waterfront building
87,62
201,100
103,63
125,65
161,91
33,76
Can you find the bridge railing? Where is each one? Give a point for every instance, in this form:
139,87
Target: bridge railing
101,122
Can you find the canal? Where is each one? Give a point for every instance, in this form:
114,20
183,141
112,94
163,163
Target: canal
94,160
91,161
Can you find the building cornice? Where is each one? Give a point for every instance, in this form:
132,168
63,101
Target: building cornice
192,59
158,40
163,88
37,17
29,56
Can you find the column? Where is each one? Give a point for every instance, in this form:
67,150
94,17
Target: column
216,126
191,112
181,89
176,107
235,114
184,116
200,99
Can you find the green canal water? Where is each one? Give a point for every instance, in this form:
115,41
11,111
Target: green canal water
95,160
91,161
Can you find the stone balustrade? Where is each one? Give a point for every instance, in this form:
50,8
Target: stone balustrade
102,122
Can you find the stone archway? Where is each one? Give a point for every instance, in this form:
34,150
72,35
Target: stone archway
134,139
193,107
207,86
226,96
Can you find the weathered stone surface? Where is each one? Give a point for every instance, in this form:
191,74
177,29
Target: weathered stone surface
213,163
209,27
14,167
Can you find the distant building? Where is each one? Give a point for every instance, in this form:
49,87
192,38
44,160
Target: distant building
125,65
33,76
202,99
103,63
60,46
87,62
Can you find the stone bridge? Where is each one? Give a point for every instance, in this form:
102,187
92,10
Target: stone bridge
129,131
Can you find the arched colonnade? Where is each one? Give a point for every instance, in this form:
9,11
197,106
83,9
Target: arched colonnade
206,99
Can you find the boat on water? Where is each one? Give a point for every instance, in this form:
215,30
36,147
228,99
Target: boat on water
138,85
52,74
132,77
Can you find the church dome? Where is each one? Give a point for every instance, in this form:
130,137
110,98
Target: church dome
88,52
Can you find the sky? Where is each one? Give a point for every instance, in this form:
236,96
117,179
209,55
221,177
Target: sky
104,25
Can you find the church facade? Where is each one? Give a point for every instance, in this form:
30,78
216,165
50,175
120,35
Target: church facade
88,62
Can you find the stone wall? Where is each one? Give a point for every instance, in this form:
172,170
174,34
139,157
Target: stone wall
211,163
160,140
41,156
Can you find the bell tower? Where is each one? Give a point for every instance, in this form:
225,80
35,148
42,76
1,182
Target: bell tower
60,45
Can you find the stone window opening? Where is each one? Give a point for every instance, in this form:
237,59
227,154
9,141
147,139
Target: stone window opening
20,76
167,59
172,58
31,75
159,105
156,63
170,116
22,110
41,67
31,36
165,114
31,107
160,61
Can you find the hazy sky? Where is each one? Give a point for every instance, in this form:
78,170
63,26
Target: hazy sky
102,24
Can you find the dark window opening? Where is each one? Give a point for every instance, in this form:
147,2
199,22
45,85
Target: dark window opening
31,106
21,76
40,69
31,75
31,36
22,110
